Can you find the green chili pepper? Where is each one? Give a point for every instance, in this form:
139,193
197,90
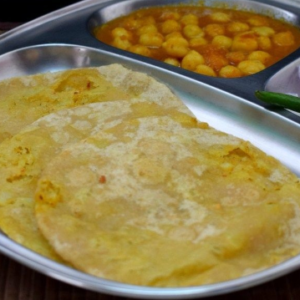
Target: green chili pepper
279,99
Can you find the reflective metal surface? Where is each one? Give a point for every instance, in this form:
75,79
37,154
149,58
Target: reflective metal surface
287,80
45,58
116,10
222,110
63,40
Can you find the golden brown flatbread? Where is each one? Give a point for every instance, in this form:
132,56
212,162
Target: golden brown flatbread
26,99
161,202
23,157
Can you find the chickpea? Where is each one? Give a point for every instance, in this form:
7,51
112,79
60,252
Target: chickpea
258,21
214,29
264,31
205,70
172,61
121,32
191,60
245,42
198,41
216,60
140,49
235,27
151,39
264,43
176,46
236,57
284,38
189,19
191,31
170,26
169,15
249,67
230,72
132,23
220,17
222,41
121,43
262,56
148,21
173,35
147,29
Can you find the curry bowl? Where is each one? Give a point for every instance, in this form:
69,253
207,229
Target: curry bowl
218,39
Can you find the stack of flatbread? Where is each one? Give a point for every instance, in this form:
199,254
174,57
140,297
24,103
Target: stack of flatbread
107,171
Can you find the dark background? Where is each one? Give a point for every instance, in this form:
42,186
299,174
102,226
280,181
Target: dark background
27,10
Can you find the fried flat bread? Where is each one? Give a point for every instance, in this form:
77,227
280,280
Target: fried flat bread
26,99
161,202
22,157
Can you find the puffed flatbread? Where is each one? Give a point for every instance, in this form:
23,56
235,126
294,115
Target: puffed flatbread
161,202
28,98
22,157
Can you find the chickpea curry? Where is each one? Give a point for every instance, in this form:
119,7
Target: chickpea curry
211,41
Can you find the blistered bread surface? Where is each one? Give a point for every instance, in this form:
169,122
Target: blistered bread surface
164,202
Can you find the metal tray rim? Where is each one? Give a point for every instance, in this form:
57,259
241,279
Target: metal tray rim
78,278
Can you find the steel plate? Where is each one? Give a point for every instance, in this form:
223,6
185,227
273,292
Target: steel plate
62,40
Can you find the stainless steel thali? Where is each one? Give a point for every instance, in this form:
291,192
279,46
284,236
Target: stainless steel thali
63,40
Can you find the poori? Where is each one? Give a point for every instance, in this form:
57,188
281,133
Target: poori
25,99
165,203
23,156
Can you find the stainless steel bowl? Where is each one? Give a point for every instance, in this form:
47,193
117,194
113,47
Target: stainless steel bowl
243,86
116,10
